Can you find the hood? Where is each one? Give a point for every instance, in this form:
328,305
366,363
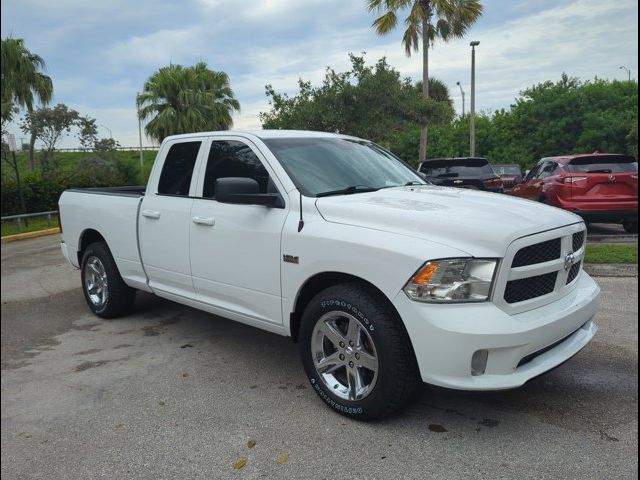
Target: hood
477,223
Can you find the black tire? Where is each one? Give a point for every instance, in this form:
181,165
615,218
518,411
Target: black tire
397,371
630,226
120,296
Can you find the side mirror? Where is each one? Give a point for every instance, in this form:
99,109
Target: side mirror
245,191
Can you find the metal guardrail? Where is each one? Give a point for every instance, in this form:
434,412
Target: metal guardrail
20,218
79,149
120,149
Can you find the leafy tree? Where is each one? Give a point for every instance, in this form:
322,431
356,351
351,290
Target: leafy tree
11,160
438,91
427,21
105,145
550,118
373,102
23,83
632,139
50,125
180,99
87,131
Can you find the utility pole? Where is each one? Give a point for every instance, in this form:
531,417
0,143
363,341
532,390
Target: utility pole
472,119
462,93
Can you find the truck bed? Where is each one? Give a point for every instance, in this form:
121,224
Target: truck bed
113,213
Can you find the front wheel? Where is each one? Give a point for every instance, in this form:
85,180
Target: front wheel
104,290
356,352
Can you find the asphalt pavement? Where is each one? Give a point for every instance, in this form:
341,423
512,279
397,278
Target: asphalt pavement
609,233
171,392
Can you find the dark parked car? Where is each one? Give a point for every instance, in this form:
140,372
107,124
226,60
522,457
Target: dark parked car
599,187
511,175
466,172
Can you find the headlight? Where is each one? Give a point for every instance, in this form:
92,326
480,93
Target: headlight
453,280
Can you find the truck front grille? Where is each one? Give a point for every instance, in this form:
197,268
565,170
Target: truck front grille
544,266
573,273
532,287
538,253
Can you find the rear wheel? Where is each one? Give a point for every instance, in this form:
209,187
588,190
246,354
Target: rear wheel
356,352
104,290
630,226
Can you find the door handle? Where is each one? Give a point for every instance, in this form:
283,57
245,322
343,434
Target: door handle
151,214
208,221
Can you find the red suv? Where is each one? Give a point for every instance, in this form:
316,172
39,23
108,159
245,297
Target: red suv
599,187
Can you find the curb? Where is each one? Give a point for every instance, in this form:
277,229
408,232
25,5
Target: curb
611,269
23,236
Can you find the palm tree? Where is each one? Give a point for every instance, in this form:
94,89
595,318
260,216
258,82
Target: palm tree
427,21
438,91
186,99
23,82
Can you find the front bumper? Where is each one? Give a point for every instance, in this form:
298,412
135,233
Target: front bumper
445,337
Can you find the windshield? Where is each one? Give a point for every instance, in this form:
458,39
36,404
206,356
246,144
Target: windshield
324,165
603,164
456,167
507,170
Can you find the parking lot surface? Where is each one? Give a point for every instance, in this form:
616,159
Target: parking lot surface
171,392
609,233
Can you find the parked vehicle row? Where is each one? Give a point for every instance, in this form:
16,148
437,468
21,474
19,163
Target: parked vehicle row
600,188
382,278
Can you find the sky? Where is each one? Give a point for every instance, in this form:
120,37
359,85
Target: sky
99,53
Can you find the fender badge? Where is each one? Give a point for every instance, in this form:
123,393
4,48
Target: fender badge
290,259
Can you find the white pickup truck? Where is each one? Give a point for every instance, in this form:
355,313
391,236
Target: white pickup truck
382,278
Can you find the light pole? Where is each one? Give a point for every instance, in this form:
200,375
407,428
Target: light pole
462,93
108,130
472,118
139,135
628,71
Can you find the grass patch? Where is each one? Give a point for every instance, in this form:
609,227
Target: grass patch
611,253
35,224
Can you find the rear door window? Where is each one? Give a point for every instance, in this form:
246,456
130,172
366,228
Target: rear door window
177,170
603,164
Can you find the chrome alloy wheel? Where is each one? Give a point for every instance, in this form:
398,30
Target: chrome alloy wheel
95,282
344,355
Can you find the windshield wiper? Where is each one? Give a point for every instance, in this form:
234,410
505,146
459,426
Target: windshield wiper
603,170
412,183
348,191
